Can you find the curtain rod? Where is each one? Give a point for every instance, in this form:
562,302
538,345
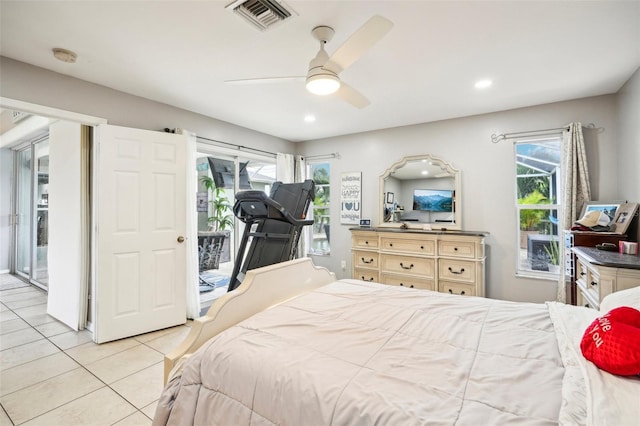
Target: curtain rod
239,147
323,156
495,138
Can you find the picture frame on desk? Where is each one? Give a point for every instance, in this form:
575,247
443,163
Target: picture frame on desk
610,208
624,216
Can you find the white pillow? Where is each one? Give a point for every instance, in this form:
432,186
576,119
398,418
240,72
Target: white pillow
628,297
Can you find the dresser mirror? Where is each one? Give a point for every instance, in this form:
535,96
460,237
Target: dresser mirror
421,191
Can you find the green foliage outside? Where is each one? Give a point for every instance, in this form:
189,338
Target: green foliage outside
530,219
221,218
553,251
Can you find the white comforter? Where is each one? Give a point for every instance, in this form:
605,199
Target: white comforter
360,353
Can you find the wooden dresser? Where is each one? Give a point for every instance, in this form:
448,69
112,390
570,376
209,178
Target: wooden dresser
599,273
445,261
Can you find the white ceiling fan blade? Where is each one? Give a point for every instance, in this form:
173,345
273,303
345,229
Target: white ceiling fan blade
352,96
264,80
364,38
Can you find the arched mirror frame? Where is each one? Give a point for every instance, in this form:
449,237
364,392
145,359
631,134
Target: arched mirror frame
445,166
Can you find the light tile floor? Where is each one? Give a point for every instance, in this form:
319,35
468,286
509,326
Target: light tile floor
51,375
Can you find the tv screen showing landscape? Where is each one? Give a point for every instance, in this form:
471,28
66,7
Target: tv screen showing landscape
433,200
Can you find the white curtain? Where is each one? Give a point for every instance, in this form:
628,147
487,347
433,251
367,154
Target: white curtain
285,168
192,278
575,189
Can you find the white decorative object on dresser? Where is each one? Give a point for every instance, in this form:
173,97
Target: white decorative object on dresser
600,273
444,261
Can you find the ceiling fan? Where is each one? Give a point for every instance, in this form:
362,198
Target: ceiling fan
323,75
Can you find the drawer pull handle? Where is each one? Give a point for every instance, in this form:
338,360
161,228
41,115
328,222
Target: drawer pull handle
364,279
364,261
406,267
454,272
461,293
411,286
455,249
390,244
594,283
421,247
366,242
582,274
402,285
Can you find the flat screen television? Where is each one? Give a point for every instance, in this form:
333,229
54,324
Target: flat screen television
433,200
223,173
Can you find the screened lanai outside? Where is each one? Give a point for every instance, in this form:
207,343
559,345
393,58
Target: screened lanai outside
538,177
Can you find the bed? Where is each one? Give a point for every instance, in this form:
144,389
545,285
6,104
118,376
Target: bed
293,345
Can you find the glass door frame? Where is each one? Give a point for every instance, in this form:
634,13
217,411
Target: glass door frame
27,212
236,156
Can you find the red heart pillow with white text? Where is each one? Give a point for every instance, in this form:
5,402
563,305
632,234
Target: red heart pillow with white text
612,341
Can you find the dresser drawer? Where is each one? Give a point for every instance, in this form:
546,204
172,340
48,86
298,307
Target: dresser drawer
364,240
365,259
454,248
424,267
408,281
457,270
456,288
365,275
407,245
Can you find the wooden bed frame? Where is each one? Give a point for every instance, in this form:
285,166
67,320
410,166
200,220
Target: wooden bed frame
261,288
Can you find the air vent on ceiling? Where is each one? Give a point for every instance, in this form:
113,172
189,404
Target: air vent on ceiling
264,14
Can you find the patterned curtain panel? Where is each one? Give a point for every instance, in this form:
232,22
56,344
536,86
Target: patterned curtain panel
576,189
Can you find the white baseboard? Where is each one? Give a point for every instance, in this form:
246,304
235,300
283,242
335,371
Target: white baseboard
4,271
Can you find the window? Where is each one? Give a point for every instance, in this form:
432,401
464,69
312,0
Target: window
538,177
319,241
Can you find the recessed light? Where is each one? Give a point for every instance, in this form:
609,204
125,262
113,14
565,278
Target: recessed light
425,172
483,84
309,118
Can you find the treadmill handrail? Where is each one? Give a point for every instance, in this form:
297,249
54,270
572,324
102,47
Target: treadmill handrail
261,197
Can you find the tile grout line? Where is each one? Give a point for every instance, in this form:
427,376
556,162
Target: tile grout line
78,363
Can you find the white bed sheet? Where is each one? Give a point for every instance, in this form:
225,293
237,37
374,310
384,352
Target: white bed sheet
361,353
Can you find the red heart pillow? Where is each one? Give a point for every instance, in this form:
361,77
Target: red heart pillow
612,341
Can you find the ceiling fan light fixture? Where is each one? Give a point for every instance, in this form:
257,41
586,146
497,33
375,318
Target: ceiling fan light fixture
323,84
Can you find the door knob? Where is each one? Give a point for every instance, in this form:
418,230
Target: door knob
181,239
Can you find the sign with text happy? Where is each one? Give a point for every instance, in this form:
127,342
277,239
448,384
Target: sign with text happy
350,197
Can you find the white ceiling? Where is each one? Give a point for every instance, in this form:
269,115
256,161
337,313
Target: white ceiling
181,52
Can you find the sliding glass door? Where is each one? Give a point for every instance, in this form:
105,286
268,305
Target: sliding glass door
220,176
32,212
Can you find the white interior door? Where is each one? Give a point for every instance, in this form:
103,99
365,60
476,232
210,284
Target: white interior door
141,220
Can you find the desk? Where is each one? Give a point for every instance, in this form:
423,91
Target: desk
599,273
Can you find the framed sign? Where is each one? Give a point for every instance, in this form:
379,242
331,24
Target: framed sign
350,197
390,198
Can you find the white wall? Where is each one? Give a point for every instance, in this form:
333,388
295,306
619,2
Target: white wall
27,83
628,103
487,176
487,169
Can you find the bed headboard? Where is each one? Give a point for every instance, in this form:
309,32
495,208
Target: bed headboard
261,288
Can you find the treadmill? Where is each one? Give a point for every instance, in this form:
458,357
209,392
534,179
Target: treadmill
273,225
